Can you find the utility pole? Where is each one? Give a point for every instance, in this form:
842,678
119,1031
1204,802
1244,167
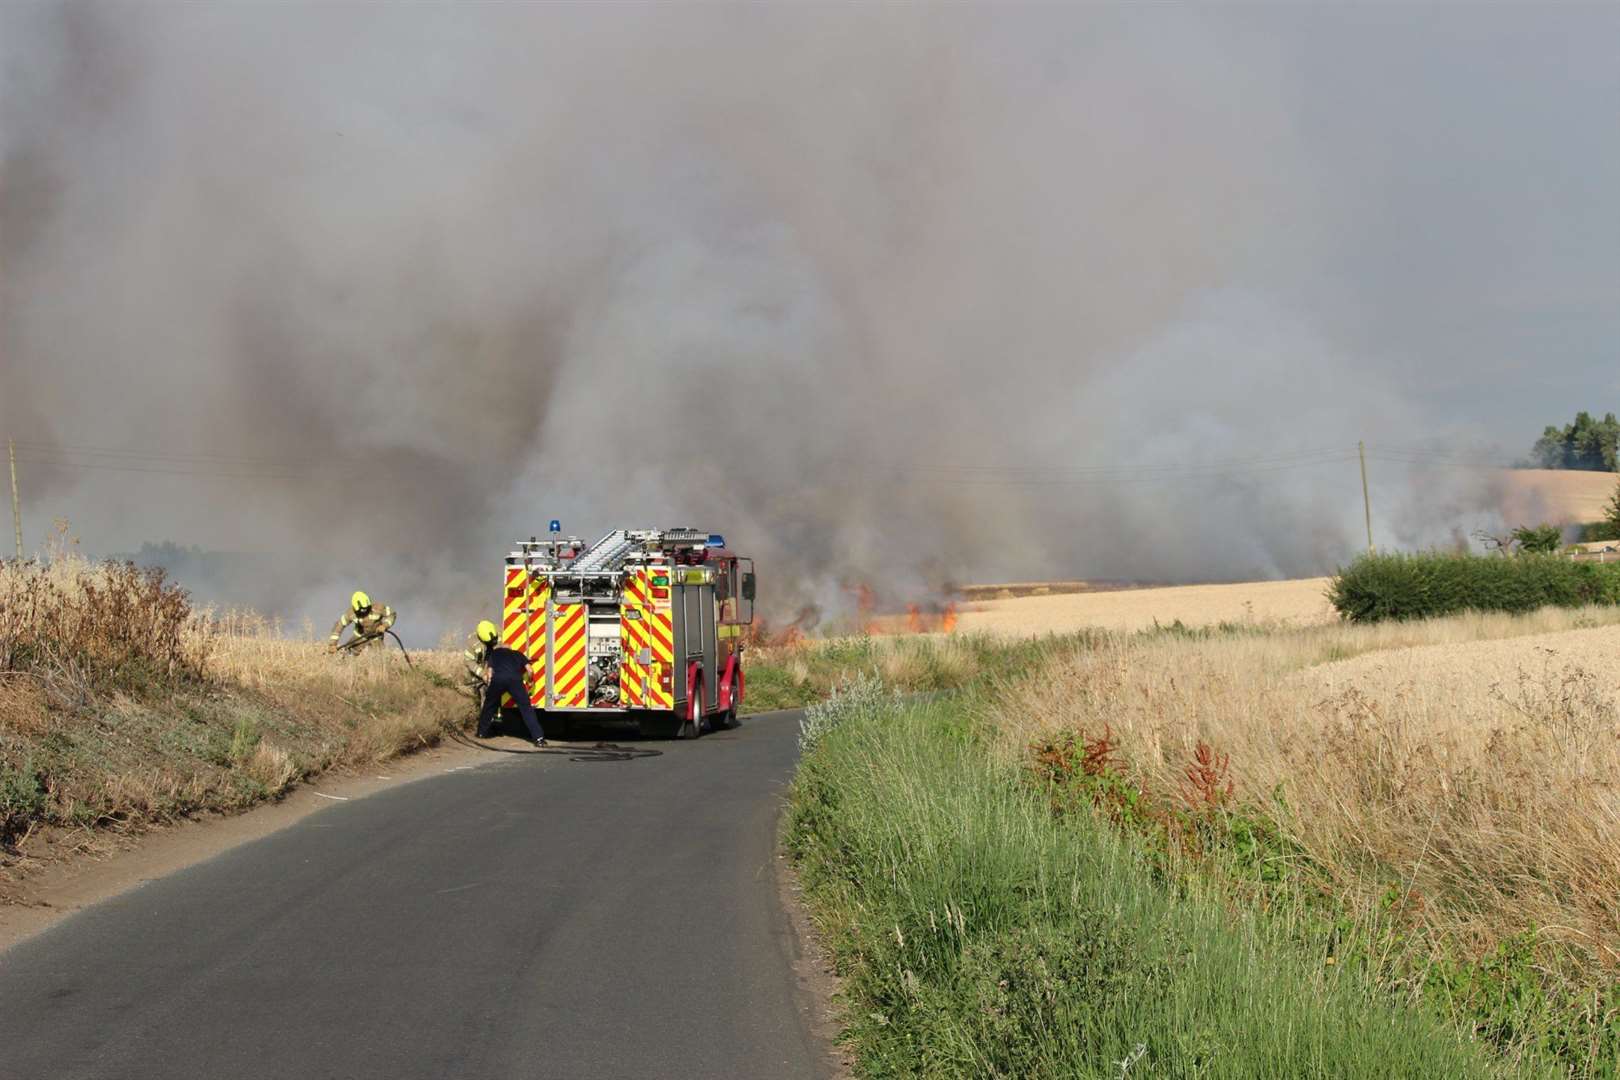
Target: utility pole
16,504
1366,500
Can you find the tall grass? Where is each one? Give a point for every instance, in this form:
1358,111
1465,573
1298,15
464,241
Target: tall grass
122,705
808,671
1446,793
979,935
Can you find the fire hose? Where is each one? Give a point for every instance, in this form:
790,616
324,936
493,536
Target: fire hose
359,640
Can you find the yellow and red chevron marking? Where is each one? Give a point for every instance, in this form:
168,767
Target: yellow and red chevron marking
568,666
633,639
523,623
514,620
632,675
661,639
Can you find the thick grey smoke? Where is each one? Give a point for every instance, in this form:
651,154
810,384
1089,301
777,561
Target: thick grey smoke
898,294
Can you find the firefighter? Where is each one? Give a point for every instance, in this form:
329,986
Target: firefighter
479,642
370,624
503,671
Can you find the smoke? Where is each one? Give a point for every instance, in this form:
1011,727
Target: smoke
898,294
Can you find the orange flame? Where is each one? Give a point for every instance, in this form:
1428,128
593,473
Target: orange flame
947,620
914,619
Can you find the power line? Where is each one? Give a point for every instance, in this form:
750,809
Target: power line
1064,473
211,474
80,449
974,474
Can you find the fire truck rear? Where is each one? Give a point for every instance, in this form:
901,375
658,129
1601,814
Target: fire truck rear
643,625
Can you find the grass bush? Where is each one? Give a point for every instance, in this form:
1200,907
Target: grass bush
981,935
1425,585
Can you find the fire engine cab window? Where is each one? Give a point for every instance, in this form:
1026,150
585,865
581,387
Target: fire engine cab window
722,585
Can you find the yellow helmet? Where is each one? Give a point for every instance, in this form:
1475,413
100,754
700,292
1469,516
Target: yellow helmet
360,601
486,632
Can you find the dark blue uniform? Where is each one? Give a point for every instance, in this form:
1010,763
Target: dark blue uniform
506,667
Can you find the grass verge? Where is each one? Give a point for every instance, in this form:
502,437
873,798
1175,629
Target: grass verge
981,935
793,676
121,706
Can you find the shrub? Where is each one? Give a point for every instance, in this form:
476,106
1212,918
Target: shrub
1427,584
1594,532
1539,539
76,626
22,797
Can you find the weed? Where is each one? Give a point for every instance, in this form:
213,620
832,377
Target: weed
22,797
981,935
244,740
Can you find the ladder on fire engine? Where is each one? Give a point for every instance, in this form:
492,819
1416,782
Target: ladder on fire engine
606,554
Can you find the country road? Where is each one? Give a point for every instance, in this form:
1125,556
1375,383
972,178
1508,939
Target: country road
569,914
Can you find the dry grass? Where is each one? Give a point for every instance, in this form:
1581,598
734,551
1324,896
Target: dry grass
121,706
1461,776
373,695
1288,603
790,676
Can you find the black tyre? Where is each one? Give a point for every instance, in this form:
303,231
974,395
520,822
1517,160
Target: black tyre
693,725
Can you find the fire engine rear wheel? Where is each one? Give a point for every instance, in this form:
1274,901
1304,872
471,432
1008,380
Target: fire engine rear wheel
692,727
728,719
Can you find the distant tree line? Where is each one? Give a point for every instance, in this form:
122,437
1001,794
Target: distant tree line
1586,444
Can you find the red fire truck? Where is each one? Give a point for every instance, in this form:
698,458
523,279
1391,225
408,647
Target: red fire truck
643,625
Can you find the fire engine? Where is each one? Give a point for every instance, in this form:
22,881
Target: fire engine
643,625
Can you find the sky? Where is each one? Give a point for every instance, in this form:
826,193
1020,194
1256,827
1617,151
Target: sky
909,295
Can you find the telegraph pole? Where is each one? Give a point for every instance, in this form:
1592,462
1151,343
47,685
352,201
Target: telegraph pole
16,504
1366,500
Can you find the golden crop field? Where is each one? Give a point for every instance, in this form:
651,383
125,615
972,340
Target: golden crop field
1557,496
1293,603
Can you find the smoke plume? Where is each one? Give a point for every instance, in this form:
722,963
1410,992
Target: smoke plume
898,294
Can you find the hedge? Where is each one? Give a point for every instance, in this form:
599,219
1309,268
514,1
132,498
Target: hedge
1427,584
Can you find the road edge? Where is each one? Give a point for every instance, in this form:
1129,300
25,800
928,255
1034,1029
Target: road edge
818,984
62,886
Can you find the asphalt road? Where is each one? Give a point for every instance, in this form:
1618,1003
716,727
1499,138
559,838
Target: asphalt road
566,914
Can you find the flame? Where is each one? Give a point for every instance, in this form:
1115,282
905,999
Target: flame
865,602
921,617
794,634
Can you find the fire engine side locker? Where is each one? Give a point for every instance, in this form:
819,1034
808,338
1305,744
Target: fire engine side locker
567,652
695,637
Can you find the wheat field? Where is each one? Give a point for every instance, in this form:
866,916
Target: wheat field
1298,602
1557,496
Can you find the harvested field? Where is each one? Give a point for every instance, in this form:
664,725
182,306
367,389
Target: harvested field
1557,496
1289,603
1441,672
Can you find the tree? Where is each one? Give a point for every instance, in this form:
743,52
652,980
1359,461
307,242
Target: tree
1585,444
1550,451
1539,539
